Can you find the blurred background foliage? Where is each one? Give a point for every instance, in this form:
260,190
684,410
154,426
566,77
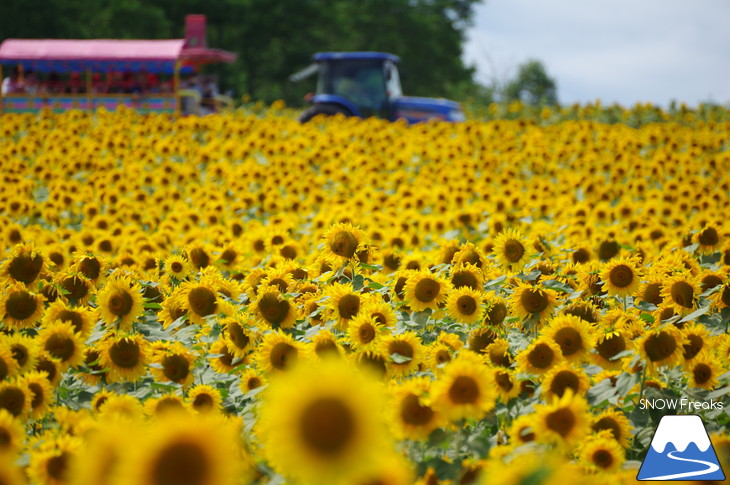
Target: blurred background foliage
274,39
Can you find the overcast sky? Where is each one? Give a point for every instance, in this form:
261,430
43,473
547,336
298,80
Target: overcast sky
623,51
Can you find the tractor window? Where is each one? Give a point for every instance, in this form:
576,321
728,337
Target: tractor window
360,81
392,81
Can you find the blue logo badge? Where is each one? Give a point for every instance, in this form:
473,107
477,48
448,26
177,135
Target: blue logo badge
680,450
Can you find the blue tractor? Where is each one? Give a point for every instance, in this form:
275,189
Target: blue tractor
365,84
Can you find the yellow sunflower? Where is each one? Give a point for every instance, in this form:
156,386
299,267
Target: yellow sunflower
565,421
497,309
275,309
621,277
20,308
177,448
221,359
704,371
507,384
41,391
344,303
160,405
240,337
322,422
277,351
708,239
12,434
661,347
380,310
404,352
564,378
15,397
539,357
174,364
721,298
465,305
324,344
8,365
601,453
24,351
466,275
425,290
574,336
465,389
608,346
50,463
75,287
120,302
342,243
251,379
617,423
82,318
530,300
62,344
126,357
25,265
680,292
200,300
698,339
511,249
414,418
204,399
178,267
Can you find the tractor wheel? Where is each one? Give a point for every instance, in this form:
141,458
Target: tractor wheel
322,109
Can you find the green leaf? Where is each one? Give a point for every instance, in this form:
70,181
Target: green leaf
695,314
647,317
558,286
399,359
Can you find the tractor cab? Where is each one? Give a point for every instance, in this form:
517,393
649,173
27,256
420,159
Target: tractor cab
365,84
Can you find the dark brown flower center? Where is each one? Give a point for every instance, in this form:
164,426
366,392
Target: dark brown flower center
125,353
533,301
272,309
283,355
181,464
202,301
25,268
413,412
621,276
344,244
60,347
513,250
563,380
682,294
348,306
541,356
20,305
466,305
327,426
120,303
660,346
175,367
427,290
562,421
569,340
464,390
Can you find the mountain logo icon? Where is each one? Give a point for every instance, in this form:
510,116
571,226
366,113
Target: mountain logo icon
680,450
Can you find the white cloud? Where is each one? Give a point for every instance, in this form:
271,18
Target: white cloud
617,51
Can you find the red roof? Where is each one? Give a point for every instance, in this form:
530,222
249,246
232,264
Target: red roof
90,50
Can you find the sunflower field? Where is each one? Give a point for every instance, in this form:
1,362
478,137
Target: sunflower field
243,299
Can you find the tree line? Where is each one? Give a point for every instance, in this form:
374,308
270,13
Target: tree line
275,38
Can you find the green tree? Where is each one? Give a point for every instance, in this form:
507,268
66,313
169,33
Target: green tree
274,39
532,86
